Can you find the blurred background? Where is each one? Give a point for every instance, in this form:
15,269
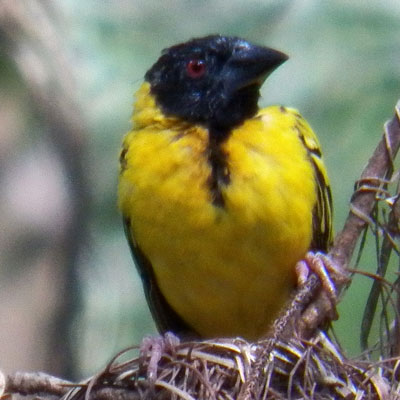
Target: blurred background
70,297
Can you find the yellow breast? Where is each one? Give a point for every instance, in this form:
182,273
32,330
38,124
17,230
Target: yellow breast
225,270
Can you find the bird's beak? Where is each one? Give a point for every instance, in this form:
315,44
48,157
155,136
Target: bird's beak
250,65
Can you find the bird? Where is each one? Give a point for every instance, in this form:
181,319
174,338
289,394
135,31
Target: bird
220,198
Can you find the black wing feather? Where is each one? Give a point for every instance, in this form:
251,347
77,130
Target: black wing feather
322,214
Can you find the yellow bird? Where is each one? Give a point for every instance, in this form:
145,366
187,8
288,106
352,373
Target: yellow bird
220,199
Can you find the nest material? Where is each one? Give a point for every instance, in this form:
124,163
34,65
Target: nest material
220,369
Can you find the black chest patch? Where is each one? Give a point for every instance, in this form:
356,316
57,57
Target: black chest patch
220,175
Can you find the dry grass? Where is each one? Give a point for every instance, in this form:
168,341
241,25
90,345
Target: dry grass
218,370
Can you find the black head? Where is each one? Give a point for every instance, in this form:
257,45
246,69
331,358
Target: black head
214,81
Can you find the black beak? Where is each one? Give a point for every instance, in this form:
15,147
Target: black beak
250,65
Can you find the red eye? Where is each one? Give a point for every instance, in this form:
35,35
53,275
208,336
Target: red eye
196,68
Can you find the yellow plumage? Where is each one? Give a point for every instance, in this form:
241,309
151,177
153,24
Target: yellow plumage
226,271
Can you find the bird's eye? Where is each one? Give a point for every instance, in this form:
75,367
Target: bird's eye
196,68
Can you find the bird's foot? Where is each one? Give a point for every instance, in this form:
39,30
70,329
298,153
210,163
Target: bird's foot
324,267
153,348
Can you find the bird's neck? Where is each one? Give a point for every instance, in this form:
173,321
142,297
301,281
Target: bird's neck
147,113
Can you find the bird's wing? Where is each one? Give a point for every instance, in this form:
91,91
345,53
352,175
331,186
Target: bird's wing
322,213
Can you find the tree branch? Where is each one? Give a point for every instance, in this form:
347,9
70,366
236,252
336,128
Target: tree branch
36,383
378,169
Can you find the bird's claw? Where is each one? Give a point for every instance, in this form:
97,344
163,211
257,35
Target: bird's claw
153,348
324,267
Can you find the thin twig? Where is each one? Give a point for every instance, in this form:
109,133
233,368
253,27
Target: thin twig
385,251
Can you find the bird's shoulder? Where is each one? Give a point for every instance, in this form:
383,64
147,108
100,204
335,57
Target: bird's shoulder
287,119
290,118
